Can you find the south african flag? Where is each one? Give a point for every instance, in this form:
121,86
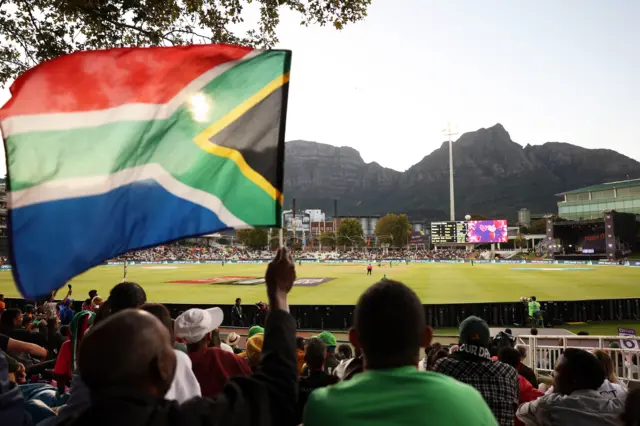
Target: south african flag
110,151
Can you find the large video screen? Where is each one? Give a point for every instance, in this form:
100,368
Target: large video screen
487,231
473,231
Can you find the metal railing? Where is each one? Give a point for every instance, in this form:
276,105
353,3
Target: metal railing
543,352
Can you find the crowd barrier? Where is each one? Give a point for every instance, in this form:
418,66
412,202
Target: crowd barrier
543,352
634,263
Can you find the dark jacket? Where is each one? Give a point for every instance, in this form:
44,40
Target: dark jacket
268,397
306,385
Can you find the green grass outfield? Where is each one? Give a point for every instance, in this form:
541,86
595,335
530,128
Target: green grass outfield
435,283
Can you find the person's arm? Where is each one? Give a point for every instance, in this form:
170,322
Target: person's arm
533,413
30,348
273,389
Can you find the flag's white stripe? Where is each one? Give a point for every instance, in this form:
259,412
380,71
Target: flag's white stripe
130,112
98,185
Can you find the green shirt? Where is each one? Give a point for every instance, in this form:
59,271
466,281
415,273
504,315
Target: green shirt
534,307
398,396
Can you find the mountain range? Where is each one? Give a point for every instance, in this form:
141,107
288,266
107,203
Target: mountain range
494,177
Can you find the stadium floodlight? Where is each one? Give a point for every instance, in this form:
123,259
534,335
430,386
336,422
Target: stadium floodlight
448,132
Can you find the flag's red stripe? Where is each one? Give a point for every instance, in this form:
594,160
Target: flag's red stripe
100,79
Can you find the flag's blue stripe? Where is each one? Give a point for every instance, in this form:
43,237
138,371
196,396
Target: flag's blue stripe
54,241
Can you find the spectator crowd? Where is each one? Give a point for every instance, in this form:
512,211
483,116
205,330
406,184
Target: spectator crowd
122,360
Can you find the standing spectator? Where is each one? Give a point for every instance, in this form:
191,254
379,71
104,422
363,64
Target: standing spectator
524,370
314,356
237,317
575,400
135,349
527,392
472,364
390,308
66,312
211,365
184,385
610,387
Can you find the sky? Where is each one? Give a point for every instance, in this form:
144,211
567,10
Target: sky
547,70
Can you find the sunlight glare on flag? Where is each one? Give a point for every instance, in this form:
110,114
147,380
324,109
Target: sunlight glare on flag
199,105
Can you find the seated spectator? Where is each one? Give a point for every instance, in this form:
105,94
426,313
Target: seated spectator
125,295
212,366
66,361
524,370
575,399
331,362
184,385
631,415
314,356
528,393
136,351
11,325
233,340
390,308
300,353
254,350
610,388
87,305
472,364
344,352
350,367
12,408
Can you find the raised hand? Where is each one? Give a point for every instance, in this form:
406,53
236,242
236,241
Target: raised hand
280,275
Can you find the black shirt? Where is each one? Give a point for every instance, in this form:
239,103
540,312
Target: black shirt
306,385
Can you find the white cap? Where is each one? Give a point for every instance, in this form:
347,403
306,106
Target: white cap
195,323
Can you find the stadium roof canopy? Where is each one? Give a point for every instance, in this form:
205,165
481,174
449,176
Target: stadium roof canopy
604,186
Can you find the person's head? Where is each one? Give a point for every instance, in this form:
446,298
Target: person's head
534,331
238,301
583,333
162,313
1,297
631,414
97,301
131,349
300,343
64,331
533,298
577,369
254,349
92,294
11,318
389,308
454,348
509,356
69,303
126,295
27,320
475,338
233,339
256,329
345,351
607,365
195,326
508,331
29,309
522,349
329,340
315,353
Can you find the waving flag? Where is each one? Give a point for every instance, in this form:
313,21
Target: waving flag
110,151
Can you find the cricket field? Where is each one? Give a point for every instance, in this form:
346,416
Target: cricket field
342,284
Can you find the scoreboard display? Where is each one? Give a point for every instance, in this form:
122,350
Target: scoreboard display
449,232
472,232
